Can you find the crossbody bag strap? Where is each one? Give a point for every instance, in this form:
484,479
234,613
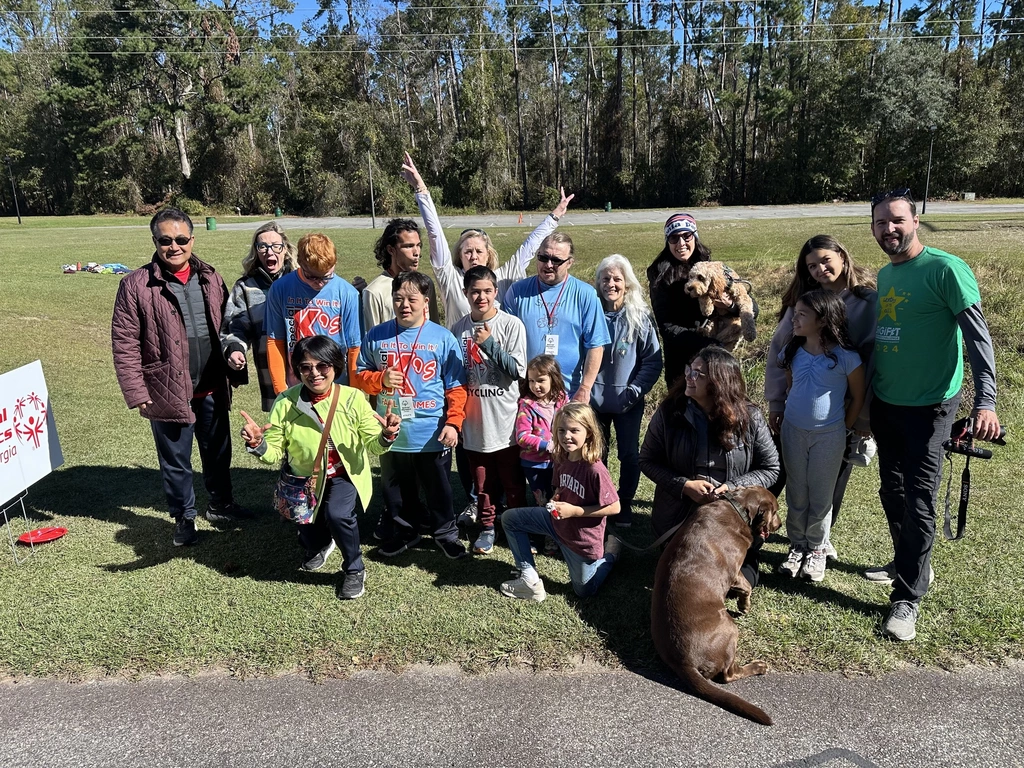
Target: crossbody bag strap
326,434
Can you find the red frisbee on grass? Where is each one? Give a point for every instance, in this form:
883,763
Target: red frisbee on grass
42,535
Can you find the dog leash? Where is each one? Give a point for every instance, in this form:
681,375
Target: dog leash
727,496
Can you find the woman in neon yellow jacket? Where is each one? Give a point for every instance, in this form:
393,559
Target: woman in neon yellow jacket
294,432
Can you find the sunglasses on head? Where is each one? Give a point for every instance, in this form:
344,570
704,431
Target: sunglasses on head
675,237
165,241
903,193
545,259
473,230
305,369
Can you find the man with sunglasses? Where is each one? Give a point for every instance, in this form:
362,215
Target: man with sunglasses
928,305
169,365
563,316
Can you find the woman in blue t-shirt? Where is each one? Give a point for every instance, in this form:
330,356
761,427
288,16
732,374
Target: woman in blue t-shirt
821,365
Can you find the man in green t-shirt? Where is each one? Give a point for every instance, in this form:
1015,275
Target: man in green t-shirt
928,306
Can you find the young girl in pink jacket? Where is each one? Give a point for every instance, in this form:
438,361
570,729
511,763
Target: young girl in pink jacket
543,394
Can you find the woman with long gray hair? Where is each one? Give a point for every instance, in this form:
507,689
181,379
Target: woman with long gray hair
269,257
630,367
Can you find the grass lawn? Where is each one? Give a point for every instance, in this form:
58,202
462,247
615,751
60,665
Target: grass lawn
114,597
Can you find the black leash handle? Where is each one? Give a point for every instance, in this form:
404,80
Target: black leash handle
965,496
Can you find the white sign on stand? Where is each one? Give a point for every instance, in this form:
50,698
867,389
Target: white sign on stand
29,448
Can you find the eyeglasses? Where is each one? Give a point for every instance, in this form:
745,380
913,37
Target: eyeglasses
676,237
475,231
545,259
903,193
305,369
264,247
321,279
693,374
166,241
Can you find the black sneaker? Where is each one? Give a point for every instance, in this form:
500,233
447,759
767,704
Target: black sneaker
399,544
314,561
185,534
453,549
226,513
351,586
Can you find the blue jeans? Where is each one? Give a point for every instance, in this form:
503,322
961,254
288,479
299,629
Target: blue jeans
519,523
627,444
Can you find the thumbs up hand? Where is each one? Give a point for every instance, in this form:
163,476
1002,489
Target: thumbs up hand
252,433
481,333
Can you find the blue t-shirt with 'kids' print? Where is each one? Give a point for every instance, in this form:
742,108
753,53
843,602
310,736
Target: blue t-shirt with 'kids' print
435,366
818,395
563,320
296,311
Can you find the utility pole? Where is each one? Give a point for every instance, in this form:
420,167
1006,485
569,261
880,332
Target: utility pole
928,178
14,189
373,208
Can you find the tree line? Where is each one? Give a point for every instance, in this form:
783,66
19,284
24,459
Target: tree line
123,105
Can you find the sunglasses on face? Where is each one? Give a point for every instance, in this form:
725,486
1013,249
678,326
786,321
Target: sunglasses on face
545,259
693,374
474,231
166,241
675,238
903,193
265,247
306,369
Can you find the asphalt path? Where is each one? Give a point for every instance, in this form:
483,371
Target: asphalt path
440,717
589,218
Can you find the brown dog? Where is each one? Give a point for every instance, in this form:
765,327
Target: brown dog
709,281
693,632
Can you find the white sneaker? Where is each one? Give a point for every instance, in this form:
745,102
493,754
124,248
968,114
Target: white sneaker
886,574
814,565
792,564
830,551
521,590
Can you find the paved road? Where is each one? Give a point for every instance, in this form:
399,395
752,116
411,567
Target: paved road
723,213
443,718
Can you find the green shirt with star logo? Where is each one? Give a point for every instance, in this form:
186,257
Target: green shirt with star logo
918,344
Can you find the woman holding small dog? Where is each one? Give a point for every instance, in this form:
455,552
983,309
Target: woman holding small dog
677,313
824,263
707,438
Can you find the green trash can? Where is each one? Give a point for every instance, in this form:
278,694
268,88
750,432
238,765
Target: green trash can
278,213
607,207
211,223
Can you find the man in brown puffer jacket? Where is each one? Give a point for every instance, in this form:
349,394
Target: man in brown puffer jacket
169,364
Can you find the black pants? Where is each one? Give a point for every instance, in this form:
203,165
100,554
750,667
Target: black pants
212,430
336,519
910,471
402,476
841,482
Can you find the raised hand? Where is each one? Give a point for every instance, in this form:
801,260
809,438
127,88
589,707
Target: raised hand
391,423
411,175
252,432
563,204
481,333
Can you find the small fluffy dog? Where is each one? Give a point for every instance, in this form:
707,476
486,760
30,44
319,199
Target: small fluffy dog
711,280
691,628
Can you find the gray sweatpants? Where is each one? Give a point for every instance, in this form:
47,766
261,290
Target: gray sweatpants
813,459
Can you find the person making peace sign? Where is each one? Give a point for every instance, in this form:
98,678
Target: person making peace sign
296,426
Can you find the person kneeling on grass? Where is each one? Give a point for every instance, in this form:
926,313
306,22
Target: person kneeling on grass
295,430
575,516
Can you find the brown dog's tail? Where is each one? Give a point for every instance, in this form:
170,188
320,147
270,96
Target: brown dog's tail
696,684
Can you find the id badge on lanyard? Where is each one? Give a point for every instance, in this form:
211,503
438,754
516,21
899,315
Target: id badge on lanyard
551,344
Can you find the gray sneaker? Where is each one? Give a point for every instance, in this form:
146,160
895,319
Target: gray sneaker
814,565
900,623
612,548
885,575
314,561
484,543
351,586
518,588
792,564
